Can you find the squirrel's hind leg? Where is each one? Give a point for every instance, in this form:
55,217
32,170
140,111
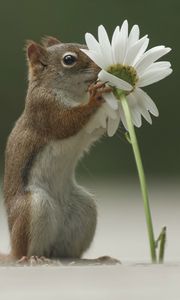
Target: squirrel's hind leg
19,225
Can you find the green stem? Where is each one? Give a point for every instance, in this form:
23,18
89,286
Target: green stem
162,245
141,174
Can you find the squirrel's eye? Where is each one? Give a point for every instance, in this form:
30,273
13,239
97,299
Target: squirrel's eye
69,59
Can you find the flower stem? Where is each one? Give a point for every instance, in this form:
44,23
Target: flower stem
141,174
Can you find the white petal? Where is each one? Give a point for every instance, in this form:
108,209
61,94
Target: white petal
136,117
124,32
119,49
103,37
124,28
92,43
122,116
114,81
149,57
133,36
136,50
114,41
148,102
112,126
153,76
99,119
115,35
111,100
131,101
105,45
97,58
159,65
141,51
102,120
145,114
111,113
142,107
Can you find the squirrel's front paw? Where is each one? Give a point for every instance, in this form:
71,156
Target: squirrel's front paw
96,91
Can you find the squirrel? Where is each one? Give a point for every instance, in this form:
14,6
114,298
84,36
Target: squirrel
49,214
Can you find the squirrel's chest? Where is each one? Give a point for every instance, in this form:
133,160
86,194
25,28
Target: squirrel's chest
53,167
65,213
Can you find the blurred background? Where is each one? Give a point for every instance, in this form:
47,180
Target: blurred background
69,20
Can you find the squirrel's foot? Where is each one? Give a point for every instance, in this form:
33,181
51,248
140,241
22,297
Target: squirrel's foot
34,260
102,260
107,260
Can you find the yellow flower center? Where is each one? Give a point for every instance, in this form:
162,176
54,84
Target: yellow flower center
124,72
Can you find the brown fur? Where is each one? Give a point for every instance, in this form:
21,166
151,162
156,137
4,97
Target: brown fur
49,41
19,222
44,119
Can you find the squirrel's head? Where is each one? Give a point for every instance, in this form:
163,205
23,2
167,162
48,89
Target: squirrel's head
61,68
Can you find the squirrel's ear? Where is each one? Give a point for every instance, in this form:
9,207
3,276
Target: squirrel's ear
49,41
36,53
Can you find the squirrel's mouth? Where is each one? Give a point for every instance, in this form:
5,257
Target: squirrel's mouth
91,80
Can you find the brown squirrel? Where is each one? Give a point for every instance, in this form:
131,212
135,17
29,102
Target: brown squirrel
48,213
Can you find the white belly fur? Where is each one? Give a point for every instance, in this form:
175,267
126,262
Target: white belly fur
63,214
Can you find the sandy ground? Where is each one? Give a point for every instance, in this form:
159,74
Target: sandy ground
121,233
141,282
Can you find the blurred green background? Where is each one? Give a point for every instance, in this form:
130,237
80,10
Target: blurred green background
69,20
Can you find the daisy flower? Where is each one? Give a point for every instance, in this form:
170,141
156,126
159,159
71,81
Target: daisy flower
127,66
